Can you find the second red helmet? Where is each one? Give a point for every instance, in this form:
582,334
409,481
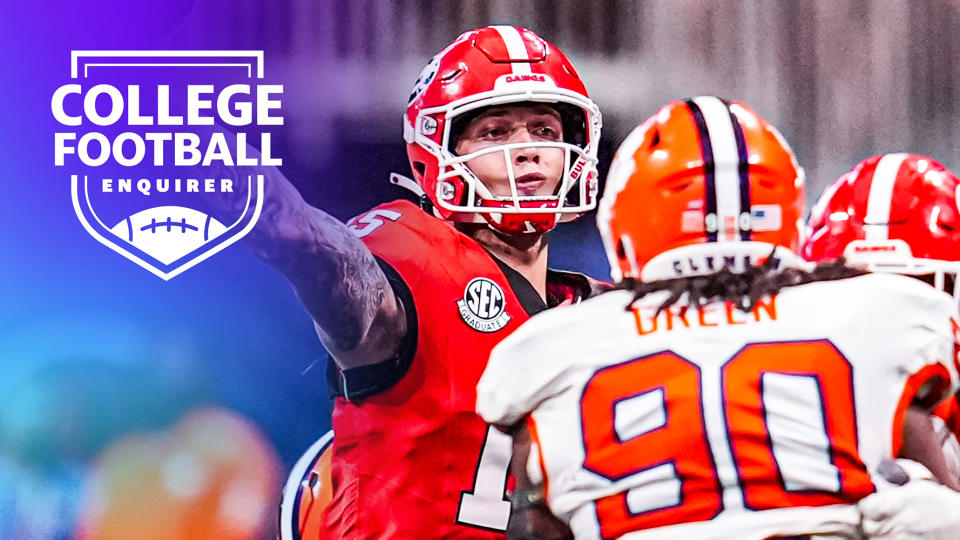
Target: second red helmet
895,212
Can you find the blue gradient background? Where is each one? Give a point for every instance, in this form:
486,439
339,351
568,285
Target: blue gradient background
93,347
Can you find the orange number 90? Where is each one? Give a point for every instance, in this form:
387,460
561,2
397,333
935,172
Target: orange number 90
625,434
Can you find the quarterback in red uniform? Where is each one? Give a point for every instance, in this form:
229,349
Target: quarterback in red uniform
409,300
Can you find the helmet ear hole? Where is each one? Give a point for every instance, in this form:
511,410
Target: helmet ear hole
419,167
656,139
451,76
767,183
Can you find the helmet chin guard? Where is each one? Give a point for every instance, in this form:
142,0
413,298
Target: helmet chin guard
518,224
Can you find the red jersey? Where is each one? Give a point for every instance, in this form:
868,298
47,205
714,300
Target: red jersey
414,460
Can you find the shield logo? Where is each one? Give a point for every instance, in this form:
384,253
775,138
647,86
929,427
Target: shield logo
158,141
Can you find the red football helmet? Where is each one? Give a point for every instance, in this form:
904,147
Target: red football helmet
894,213
702,185
491,66
307,492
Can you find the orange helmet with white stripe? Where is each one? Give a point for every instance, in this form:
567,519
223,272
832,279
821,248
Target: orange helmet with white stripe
702,185
496,66
896,213
307,493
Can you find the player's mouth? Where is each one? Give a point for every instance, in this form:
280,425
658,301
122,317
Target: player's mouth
528,184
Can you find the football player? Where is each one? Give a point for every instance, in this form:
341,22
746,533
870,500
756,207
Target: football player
898,213
725,390
409,300
307,493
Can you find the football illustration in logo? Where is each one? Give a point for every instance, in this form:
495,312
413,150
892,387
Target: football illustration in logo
168,232
167,150
171,236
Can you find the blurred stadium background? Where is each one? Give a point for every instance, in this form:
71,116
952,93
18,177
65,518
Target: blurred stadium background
173,410
842,79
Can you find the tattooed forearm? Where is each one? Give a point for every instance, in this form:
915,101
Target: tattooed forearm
344,289
355,312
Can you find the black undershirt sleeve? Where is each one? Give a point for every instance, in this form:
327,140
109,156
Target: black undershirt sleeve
365,381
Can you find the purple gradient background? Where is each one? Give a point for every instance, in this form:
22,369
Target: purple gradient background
51,267
91,345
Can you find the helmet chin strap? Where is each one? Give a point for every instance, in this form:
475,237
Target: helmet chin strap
411,185
407,183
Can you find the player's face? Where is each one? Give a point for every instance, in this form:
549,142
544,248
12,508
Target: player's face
537,170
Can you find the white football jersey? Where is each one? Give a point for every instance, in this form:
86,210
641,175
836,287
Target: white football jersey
708,417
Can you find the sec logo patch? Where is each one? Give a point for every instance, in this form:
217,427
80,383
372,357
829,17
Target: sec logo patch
483,306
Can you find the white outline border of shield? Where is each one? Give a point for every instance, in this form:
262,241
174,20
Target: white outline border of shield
77,55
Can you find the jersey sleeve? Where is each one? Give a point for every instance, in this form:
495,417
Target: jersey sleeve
526,368
398,236
932,369
401,235
949,409
949,412
368,380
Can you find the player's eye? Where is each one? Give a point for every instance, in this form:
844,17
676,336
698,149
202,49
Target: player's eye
493,132
547,133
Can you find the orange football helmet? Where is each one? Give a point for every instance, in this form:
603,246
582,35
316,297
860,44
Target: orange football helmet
212,475
702,185
307,492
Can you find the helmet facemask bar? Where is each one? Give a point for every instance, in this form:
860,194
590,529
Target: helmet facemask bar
940,270
556,202
860,253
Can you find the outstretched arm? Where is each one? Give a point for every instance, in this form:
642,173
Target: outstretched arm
355,312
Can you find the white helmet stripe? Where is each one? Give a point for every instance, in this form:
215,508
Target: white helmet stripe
515,48
881,195
726,162
289,504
